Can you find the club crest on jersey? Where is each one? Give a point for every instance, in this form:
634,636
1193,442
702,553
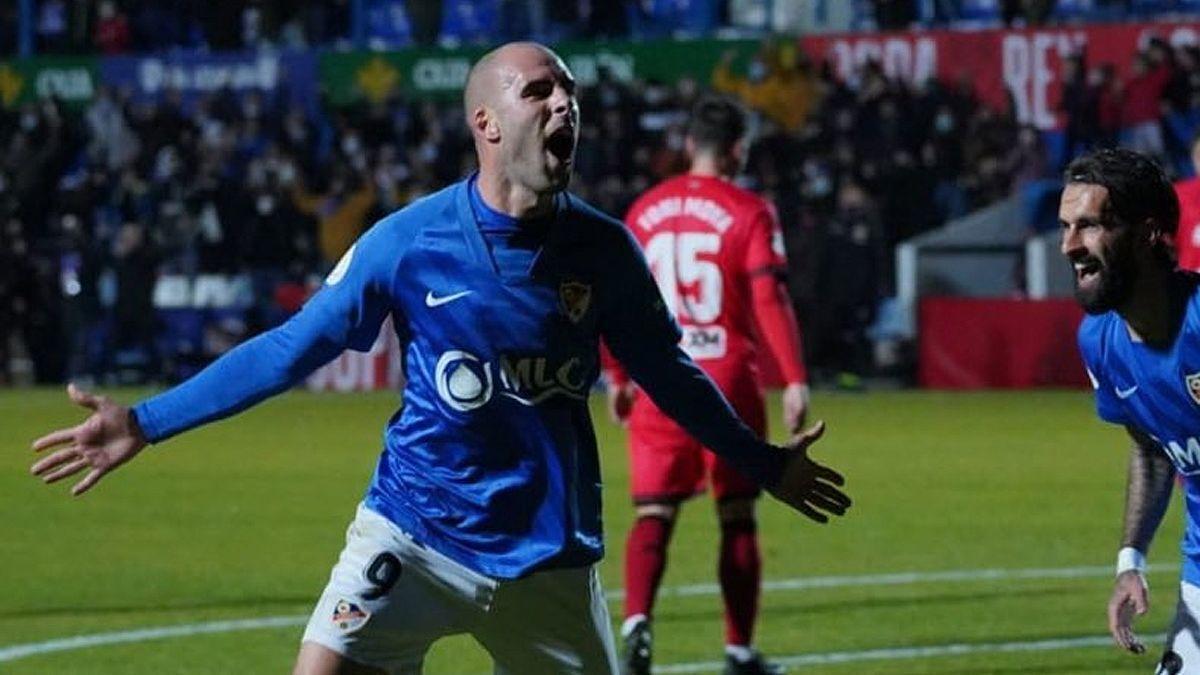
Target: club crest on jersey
574,297
349,617
1193,386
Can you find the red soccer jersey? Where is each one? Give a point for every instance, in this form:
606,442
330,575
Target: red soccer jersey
705,239
1187,237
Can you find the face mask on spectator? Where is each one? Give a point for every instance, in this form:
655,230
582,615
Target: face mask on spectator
351,145
29,121
265,205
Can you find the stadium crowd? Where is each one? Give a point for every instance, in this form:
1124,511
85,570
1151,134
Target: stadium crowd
138,26
95,204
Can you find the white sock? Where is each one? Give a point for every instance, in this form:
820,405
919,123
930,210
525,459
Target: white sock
740,653
632,622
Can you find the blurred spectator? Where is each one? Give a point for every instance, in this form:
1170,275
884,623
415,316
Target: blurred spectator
849,285
1026,12
8,28
51,26
135,263
425,17
778,83
1079,105
112,34
1142,106
341,211
894,14
1108,105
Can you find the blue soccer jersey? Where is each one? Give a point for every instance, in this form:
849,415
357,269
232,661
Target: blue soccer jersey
1158,393
492,458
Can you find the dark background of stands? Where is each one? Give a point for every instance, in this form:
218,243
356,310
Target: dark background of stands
97,203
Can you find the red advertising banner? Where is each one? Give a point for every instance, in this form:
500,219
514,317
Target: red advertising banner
1026,62
378,368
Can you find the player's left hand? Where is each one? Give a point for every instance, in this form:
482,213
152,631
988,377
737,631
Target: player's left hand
1130,597
620,401
795,406
809,487
105,440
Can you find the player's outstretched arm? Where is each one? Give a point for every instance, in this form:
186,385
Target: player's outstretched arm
809,487
1147,495
108,438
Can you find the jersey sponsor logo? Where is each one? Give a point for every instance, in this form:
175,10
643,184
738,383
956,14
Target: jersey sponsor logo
1126,393
1184,454
339,270
574,298
349,617
704,342
432,300
465,382
1193,386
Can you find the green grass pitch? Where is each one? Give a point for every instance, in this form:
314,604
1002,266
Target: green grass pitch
243,519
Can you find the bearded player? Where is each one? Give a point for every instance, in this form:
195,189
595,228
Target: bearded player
716,252
1140,345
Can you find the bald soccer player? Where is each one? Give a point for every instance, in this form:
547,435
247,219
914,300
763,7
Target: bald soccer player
483,515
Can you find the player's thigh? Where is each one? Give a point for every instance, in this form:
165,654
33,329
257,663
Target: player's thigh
316,659
377,610
729,484
665,464
1182,653
552,622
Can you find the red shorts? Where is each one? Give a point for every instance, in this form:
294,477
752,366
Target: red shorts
667,464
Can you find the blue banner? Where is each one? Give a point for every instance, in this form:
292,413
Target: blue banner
286,77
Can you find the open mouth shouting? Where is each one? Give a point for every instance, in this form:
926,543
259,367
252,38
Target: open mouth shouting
561,144
1087,271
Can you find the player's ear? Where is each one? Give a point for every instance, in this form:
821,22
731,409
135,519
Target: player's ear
485,122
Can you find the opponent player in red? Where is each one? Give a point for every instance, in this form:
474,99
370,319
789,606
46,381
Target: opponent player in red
717,253
1187,237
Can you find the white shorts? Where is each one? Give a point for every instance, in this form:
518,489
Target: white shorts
389,598
1182,655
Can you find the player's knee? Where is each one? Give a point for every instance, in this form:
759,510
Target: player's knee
667,511
739,510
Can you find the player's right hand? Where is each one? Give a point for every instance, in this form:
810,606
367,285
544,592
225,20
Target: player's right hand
105,440
808,487
1130,598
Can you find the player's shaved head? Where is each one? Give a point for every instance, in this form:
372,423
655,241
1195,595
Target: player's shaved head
519,102
496,71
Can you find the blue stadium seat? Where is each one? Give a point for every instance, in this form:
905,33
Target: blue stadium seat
470,21
663,18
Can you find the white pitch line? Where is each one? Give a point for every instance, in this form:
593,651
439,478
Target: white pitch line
904,578
902,653
143,635
14,652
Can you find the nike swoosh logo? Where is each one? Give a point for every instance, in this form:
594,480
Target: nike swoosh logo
432,300
1126,393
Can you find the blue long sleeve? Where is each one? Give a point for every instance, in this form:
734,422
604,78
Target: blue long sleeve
346,312
644,337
